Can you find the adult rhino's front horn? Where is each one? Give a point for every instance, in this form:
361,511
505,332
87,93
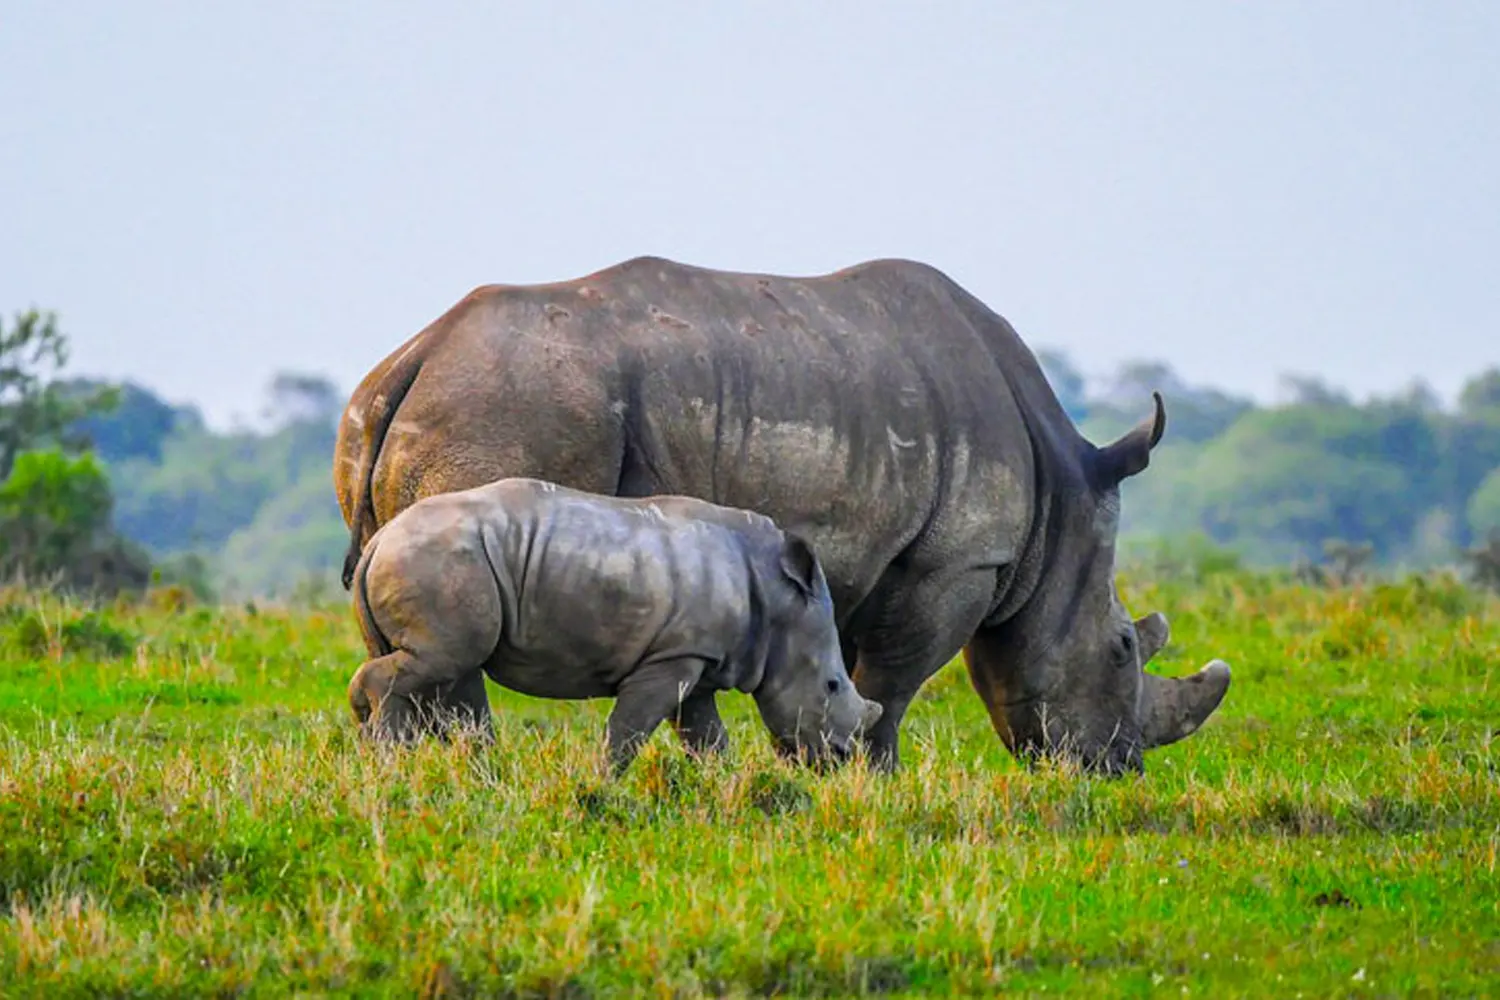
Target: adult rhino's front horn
1174,707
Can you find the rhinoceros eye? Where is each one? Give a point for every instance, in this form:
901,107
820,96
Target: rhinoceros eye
1127,648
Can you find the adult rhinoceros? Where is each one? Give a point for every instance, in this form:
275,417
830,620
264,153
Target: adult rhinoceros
882,412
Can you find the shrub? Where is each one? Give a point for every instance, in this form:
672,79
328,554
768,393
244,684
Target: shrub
54,524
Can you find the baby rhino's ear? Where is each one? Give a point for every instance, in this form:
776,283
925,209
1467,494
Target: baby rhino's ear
798,563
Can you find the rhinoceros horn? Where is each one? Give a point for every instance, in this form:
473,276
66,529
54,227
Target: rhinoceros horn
1173,707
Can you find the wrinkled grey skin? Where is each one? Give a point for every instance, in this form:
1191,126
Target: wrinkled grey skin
881,412
555,593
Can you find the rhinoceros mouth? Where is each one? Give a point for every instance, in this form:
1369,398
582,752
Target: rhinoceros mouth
1113,760
822,752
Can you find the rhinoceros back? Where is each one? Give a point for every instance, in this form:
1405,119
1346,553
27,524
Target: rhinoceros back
604,584
860,408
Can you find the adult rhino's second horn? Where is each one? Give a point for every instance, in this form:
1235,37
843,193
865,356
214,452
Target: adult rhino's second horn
1174,707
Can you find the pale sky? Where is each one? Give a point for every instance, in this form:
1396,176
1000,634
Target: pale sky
210,192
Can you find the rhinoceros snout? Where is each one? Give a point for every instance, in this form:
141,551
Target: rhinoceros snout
823,752
1112,759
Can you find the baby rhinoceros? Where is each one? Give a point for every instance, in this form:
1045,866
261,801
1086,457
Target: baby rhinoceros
658,602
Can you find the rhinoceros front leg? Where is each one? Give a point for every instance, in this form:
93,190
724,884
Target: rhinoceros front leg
698,725
646,698
921,628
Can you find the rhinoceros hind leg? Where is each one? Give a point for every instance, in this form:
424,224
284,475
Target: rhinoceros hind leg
698,724
394,697
924,628
646,698
381,712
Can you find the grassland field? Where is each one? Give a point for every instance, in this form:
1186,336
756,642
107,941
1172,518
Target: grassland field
185,811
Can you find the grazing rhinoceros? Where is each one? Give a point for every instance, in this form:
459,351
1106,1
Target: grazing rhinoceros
557,593
882,412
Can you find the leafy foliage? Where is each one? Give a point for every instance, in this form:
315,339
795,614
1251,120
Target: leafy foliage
54,504
35,409
51,507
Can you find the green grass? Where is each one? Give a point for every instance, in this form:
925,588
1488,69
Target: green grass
184,812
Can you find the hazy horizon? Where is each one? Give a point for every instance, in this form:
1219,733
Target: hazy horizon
209,195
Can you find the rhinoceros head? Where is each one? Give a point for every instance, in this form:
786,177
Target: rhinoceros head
805,696
1064,676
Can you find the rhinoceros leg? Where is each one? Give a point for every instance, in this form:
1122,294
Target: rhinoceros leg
463,703
393,697
698,724
646,698
381,710
917,631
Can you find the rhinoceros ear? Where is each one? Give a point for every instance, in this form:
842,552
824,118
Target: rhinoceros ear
798,563
1132,452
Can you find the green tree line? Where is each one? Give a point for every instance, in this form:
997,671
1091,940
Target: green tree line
113,479
1416,481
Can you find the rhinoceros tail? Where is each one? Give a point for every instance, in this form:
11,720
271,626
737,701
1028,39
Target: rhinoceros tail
385,401
379,644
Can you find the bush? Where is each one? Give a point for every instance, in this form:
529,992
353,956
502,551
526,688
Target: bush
1484,562
1344,564
54,524
188,572
89,634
